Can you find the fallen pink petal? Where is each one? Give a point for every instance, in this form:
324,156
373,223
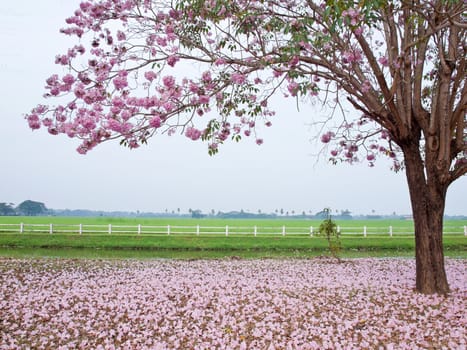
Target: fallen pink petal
227,304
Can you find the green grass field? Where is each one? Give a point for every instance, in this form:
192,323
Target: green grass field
206,221
212,245
182,246
380,226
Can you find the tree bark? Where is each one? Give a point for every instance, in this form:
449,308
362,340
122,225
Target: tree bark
427,196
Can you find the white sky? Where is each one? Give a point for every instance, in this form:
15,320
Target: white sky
172,172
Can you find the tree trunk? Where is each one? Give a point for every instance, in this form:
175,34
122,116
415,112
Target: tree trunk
427,196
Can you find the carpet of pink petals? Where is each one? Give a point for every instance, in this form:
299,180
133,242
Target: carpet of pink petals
227,304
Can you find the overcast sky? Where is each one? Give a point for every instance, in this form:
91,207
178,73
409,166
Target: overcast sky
172,172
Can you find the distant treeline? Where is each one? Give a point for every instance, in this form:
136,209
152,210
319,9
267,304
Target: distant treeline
33,208
27,208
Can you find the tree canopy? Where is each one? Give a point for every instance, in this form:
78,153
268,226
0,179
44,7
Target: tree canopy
383,57
208,70
7,209
31,208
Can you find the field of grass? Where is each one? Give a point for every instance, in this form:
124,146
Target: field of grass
280,221
347,226
215,245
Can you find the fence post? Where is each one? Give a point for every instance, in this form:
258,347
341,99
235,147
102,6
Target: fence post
390,231
364,231
110,229
283,230
21,228
465,231
197,230
338,229
80,229
51,230
168,229
311,231
226,230
139,229
255,231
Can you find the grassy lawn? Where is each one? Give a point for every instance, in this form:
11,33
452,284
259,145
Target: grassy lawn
263,225
190,246
178,245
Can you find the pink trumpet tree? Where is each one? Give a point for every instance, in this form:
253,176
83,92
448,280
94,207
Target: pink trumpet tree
400,64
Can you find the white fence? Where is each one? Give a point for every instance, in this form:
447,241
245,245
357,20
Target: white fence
214,230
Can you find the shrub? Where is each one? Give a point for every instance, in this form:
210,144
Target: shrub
328,229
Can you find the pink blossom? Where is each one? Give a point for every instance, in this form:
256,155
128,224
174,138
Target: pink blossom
47,122
325,138
238,78
350,57
118,102
40,109
85,6
150,75
294,61
155,122
68,79
277,73
55,91
52,80
168,106
203,99
366,86
172,60
219,62
206,77
293,88
384,61
194,88
193,133
168,81
65,88
120,82
33,121
161,41
359,31
82,149
121,35
222,11
62,59
174,14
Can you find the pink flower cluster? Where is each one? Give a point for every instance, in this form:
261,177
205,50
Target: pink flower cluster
362,139
193,133
227,304
121,82
355,19
103,101
353,56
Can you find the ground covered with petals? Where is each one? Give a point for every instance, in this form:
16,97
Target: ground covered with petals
227,304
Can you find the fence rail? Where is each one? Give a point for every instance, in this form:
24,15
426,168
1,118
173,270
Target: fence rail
209,230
